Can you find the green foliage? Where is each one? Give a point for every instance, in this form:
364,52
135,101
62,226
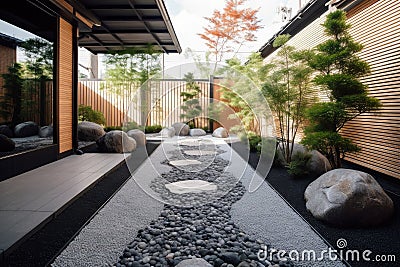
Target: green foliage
112,128
39,58
10,105
240,89
191,105
153,128
289,92
86,113
298,166
339,69
131,125
253,140
128,69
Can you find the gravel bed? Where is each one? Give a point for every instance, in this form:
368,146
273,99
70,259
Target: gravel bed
197,225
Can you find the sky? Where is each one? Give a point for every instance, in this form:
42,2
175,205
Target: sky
187,17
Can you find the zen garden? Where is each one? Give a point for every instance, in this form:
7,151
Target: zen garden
229,133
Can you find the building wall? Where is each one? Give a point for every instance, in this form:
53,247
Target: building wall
65,86
377,134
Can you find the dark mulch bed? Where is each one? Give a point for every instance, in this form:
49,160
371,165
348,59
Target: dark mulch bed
44,245
382,240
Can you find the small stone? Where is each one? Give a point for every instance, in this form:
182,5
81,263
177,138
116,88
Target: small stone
230,257
142,245
146,259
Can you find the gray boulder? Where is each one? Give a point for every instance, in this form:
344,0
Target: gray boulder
116,142
220,132
168,132
26,129
197,132
90,131
318,163
348,198
6,144
181,128
5,130
46,131
197,262
138,135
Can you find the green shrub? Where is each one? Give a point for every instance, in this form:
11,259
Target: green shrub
112,128
298,166
153,129
131,125
253,139
86,113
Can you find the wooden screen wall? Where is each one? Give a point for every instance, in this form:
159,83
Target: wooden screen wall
376,25
65,85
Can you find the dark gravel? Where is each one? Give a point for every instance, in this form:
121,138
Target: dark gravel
382,240
203,229
45,244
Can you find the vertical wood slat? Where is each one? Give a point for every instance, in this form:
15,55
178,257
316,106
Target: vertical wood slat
65,86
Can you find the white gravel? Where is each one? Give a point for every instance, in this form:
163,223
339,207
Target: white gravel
264,214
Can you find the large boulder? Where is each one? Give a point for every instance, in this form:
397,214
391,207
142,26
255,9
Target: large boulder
197,132
26,129
46,131
90,131
181,128
220,132
348,198
138,135
167,132
6,144
5,130
116,142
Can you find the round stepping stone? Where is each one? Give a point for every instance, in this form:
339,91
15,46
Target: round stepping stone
200,152
190,186
194,263
190,142
184,162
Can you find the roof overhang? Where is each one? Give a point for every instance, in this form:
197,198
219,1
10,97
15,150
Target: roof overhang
310,12
107,26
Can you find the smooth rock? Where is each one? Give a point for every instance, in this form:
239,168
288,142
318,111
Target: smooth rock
90,131
190,186
344,197
116,141
138,135
197,132
168,132
5,130
220,132
184,162
181,128
46,131
230,257
318,163
6,144
26,129
197,262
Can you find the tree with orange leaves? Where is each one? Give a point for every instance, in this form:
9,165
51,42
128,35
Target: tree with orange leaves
228,29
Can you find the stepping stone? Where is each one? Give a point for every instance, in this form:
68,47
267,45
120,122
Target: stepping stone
190,142
194,263
184,162
200,152
190,186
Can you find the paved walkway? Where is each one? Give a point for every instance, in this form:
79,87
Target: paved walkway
263,214
29,200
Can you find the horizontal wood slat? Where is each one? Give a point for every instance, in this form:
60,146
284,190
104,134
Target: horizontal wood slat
65,84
